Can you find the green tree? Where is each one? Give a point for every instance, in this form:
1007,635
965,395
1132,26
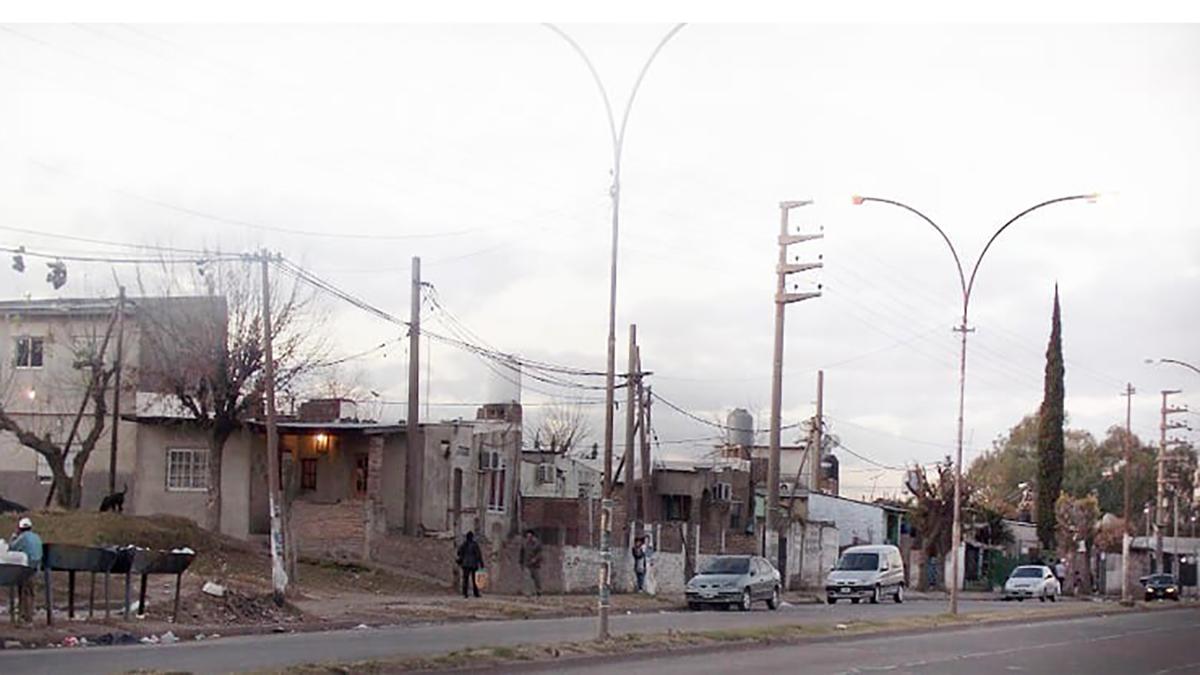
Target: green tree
1051,447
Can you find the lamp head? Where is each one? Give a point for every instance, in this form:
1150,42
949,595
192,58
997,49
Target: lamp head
857,200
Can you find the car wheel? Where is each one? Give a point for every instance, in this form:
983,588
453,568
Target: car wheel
1042,597
831,600
773,601
745,606
899,595
875,596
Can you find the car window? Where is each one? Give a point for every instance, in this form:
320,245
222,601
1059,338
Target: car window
727,566
1027,573
859,562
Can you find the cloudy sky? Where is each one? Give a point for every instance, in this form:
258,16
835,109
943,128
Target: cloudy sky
484,150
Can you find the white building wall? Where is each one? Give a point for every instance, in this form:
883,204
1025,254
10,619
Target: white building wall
856,522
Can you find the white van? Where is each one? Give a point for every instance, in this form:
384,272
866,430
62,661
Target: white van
869,572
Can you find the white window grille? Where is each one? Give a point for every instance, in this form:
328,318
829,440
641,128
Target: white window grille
30,352
187,469
545,473
723,492
497,475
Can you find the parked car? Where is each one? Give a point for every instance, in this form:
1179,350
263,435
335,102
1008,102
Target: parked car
869,572
735,581
1032,581
1161,586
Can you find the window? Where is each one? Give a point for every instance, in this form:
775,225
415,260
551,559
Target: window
361,470
308,473
30,352
187,469
497,473
45,476
545,473
676,507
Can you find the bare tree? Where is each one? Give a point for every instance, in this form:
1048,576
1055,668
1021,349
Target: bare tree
92,377
206,352
561,428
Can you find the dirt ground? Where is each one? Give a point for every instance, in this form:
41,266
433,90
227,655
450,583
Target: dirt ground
325,595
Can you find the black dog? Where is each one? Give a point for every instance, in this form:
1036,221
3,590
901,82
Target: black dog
115,502
11,507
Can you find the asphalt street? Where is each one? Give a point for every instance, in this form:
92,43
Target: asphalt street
1120,644
233,654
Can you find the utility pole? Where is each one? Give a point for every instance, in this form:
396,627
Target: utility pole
116,414
818,434
1160,505
415,461
631,405
782,299
644,443
279,576
1126,597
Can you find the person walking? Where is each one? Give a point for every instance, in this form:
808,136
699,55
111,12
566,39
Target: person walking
639,563
1060,571
470,559
531,559
26,541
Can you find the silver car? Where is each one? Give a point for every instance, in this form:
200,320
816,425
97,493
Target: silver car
1032,581
735,581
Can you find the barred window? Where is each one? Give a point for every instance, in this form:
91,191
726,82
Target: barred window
187,469
30,352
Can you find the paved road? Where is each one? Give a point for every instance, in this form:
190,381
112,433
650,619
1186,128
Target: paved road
268,651
1121,644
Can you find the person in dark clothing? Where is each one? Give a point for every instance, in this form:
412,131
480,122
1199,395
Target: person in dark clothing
639,563
531,559
470,559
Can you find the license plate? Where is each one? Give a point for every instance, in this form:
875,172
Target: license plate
708,594
845,590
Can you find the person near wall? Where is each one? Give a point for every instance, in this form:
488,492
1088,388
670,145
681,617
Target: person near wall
470,560
531,559
26,541
1060,571
639,563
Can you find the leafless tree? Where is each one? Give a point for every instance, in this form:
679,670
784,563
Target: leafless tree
91,376
561,428
206,353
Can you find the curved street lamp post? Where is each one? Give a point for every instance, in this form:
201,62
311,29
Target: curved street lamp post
618,141
967,284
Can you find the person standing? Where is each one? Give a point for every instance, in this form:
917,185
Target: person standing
26,541
531,559
470,559
639,563
1060,571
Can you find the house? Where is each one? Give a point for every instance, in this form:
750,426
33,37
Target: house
713,501
42,389
344,477
560,498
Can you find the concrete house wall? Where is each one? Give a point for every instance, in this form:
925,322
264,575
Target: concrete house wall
857,522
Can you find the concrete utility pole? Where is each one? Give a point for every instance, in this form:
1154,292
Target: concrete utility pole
116,414
1126,587
631,405
414,474
279,576
1161,505
770,544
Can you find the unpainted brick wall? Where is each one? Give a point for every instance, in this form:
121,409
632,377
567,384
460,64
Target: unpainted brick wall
333,531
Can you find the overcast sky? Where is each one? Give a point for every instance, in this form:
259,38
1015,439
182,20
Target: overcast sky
484,150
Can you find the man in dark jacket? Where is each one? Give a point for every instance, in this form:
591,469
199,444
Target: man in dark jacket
470,559
531,559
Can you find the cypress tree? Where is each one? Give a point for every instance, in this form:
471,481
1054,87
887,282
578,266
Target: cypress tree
1051,449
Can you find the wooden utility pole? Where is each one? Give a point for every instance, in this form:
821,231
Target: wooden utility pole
644,442
631,404
116,413
1126,588
275,502
414,474
818,434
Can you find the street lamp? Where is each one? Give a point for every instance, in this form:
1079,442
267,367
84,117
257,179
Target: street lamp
1177,362
967,284
618,140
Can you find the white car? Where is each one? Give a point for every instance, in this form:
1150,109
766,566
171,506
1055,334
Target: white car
1032,581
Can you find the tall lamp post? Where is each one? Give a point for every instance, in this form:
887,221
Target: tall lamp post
1177,362
618,140
967,284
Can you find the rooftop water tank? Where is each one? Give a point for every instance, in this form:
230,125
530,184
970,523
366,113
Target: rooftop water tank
741,427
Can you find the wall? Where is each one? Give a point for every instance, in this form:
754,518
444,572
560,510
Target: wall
857,522
149,494
329,530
